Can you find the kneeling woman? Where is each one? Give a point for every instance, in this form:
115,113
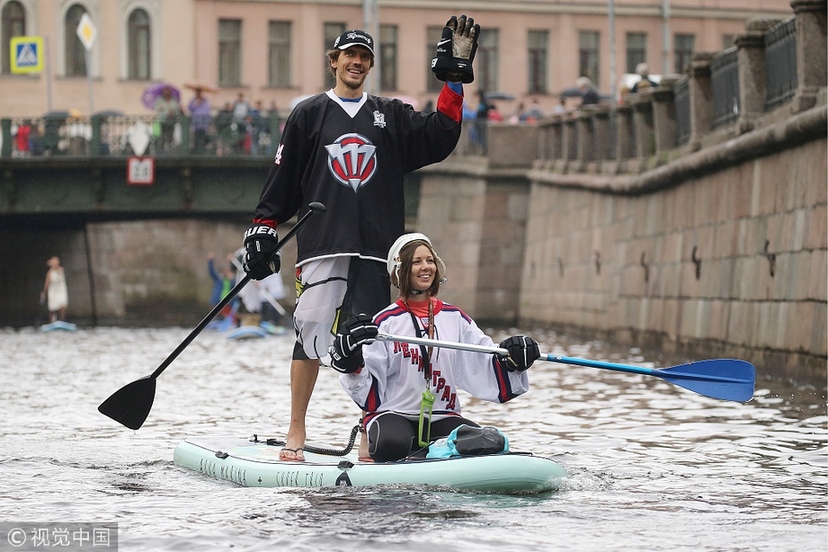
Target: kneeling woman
389,380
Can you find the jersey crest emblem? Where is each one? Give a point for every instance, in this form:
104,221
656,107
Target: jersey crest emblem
352,160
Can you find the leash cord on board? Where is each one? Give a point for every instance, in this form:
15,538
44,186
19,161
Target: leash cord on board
311,448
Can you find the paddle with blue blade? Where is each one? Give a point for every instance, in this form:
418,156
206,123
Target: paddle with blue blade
131,404
722,378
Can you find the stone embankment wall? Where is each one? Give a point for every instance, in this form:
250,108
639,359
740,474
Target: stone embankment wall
670,221
151,272
733,263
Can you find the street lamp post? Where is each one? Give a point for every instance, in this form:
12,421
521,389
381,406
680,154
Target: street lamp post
612,59
665,37
370,17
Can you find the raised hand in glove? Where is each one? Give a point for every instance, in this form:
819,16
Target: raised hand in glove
456,50
261,258
346,351
523,351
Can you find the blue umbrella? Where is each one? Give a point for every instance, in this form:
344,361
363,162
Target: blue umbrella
153,92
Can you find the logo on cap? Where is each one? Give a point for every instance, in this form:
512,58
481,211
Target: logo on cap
354,38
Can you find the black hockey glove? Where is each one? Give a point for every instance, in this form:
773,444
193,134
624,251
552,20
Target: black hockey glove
523,351
260,258
346,351
456,50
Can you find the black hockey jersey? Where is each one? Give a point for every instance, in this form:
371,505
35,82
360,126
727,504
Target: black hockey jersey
352,156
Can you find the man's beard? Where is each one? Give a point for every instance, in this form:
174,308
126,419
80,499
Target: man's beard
352,84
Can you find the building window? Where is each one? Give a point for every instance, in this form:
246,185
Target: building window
487,60
588,66
278,73
684,46
331,31
636,50
433,84
138,44
13,24
728,41
75,51
388,57
538,61
229,52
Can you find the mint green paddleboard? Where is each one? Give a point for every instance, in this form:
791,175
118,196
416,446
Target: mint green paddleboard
254,463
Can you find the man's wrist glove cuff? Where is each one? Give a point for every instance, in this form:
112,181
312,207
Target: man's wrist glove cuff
261,258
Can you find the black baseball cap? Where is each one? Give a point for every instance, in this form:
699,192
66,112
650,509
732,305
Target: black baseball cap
354,37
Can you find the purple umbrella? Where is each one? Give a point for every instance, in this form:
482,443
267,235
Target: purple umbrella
153,92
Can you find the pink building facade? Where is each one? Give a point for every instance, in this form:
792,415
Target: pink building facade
273,50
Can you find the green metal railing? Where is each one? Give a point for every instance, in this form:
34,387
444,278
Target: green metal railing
125,135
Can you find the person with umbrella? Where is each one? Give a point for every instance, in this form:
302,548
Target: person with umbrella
167,109
589,95
202,118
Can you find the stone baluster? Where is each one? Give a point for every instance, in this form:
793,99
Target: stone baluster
556,141
642,104
752,71
569,142
625,141
701,98
603,138
664,117
810,51
586,136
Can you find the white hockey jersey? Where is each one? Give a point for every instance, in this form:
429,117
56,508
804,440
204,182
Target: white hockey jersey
393,378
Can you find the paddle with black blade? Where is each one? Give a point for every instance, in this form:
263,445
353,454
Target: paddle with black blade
130,405
721,378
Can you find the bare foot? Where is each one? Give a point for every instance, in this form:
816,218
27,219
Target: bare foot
294,445
363,454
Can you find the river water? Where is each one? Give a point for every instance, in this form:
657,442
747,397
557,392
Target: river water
652,466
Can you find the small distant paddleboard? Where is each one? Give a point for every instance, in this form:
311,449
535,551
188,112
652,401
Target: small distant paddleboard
272,328
254,463
58,325
247,332
264,329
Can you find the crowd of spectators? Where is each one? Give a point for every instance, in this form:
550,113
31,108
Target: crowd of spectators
242,128
238,128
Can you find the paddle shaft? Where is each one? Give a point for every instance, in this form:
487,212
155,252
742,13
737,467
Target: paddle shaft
314,207
443,344
557,358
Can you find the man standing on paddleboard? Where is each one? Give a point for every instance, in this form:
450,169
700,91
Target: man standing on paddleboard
350,151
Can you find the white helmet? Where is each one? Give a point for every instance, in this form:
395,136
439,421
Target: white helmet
394,262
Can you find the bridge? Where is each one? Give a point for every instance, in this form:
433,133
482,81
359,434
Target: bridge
78,170
85,170
690,217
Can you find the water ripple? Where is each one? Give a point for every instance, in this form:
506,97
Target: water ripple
652,466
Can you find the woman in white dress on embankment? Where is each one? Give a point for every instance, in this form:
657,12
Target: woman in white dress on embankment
54,290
